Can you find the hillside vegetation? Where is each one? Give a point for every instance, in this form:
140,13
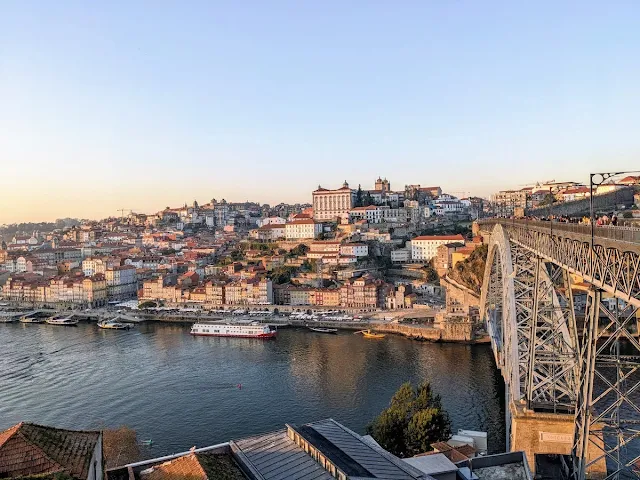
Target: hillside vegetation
470,272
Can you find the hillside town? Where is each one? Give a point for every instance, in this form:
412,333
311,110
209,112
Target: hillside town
351,249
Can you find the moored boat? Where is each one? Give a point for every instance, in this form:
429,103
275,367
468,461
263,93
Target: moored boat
229,330
67,321
323,330
31,319
370,334
113,324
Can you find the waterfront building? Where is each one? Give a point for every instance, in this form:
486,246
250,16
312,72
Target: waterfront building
328,205
28,450
424,248
360,293
122,282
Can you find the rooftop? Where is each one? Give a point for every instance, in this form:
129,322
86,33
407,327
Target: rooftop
29,449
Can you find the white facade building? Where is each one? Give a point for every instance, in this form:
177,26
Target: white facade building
302,229
331,204
424,248
354,249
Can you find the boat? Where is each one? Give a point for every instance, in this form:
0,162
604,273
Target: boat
67,321
31,319
370,334
323,330
253,330
113,324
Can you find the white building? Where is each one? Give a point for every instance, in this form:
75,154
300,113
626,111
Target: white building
401,255
269,232
271,221
302,229
331,204
354,249
448,206
424,248
91,266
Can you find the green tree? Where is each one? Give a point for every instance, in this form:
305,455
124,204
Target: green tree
430,274
548,199
358,200
300,250
148,304
413,421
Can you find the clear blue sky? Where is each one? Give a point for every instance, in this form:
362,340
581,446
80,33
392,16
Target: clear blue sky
146,104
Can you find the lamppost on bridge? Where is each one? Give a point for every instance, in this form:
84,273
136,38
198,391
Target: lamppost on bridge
597,179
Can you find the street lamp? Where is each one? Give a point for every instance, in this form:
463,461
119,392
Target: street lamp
598,179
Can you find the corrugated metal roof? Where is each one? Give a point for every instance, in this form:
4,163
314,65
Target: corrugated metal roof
379,463
276,457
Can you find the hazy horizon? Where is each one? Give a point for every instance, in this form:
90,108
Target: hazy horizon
140,106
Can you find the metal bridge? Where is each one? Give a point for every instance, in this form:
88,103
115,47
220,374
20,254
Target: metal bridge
562,356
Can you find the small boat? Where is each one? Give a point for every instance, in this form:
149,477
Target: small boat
113,324
323,330
30,319
67,321
370,334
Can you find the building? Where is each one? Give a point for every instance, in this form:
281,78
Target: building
401,255
443,261
122,282
630,180
302,229
576,193
328,205
28,450
383,185
270,232
354,249
424,248
360,293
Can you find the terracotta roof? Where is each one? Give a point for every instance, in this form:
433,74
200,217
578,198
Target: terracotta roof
195,466
301,222
440,237
28,449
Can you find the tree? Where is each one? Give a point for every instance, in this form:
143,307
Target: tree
430,274
148,304
358,200
300,250
548,199
413,421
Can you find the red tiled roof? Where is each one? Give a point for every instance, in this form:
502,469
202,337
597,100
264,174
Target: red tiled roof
28,449
301,222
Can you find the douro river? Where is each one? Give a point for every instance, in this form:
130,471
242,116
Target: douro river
181,391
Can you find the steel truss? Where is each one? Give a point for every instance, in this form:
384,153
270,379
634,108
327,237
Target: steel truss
608,410
553,373
613,266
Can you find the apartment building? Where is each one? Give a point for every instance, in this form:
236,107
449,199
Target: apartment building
302,229
424,248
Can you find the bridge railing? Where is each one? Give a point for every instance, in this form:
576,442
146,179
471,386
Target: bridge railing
623,234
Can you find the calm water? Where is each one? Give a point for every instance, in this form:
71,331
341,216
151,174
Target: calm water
182,391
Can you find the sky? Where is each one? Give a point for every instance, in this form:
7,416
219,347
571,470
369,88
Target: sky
140,105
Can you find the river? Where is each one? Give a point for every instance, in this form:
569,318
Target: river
182,391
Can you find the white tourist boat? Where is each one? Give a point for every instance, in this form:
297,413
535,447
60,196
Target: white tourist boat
254,330
67,321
